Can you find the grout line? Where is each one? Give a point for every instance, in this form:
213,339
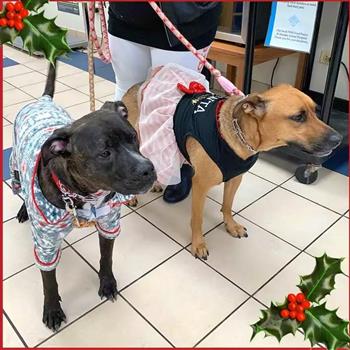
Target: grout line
274,183
82,257
70,323
152,269
222,275
143,217
300,253
16,273
28,266
145,319
15,330
221,322
312,201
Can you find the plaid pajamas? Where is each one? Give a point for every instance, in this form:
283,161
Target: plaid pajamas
34,124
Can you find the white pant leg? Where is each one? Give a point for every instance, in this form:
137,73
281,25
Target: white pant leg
183,58
131,63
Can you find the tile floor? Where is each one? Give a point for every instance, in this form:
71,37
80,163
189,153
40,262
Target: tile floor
168,298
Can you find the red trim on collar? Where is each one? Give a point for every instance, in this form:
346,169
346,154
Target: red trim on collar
34,199
217,114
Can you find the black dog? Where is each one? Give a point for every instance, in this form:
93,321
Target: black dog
96,155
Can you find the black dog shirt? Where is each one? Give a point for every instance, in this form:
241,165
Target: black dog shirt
196,116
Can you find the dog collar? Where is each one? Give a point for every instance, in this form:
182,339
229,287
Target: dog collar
68,197
236,128
239,133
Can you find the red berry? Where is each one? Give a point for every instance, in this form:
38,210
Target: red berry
292,306
18,18
3,22
24,13
19,26
10,6
10,15
11,23
299,308
300,316
306,304
291,298
292,315
300,298
18,6
284,313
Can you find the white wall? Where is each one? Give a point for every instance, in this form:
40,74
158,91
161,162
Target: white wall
286,69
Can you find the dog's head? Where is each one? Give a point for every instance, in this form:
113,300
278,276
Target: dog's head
101,152
284,116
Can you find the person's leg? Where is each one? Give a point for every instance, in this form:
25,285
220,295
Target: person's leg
177,193
184,58
130,62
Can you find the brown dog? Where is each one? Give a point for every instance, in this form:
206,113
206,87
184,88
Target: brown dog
278,117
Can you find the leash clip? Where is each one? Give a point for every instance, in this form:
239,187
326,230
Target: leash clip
71,208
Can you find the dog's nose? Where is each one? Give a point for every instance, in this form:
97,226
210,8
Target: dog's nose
145,169
334,138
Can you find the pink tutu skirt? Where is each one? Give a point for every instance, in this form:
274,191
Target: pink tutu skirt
158,98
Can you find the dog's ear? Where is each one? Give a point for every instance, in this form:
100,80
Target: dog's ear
117,106
56,145
254,105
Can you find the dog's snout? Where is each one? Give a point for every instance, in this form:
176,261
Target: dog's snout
334,138
145,169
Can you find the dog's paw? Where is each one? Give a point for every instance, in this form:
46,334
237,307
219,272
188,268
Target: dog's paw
22,215
200,250
157,188
108,288
133,202
235,229
53,317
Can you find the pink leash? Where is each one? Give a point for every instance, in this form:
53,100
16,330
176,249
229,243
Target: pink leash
105,54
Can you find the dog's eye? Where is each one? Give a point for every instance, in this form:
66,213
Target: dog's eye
105,154
299,118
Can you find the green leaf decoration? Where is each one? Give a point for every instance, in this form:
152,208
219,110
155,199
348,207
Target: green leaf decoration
34,5
273,324
321,281
324,326
7,34
42,34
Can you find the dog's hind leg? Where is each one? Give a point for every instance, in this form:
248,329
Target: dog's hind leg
232,227
22,215
108,284
53,314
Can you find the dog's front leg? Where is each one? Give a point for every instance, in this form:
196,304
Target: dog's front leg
232,227
53,315
108,284
199,191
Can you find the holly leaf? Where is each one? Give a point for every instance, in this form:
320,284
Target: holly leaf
273,324
34,5
7,35
324,326
322,280
42,34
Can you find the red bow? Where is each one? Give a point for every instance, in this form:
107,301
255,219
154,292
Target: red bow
194,88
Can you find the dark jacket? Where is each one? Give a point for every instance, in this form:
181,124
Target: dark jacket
137,22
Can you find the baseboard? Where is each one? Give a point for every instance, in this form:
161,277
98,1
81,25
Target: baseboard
339,103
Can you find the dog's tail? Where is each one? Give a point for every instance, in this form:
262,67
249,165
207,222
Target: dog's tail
51,79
